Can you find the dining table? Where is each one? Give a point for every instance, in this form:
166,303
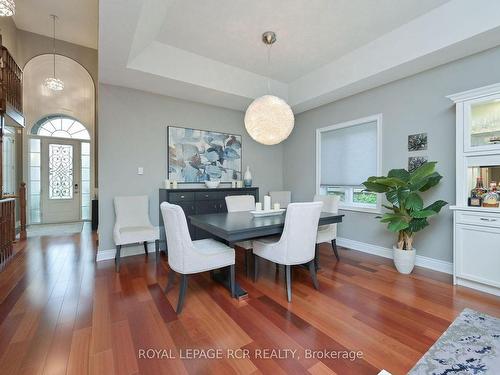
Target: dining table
232,227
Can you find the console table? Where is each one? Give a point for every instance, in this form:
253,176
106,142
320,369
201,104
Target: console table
199,201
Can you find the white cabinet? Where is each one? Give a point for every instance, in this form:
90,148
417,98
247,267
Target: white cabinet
477,254
482,123
476,250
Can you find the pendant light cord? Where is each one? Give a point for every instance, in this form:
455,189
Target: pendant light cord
54,42
269,68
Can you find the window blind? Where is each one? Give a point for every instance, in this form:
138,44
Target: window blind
349,155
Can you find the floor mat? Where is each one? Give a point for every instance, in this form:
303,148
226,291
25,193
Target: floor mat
64,229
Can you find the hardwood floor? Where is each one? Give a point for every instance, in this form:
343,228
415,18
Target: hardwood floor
60,312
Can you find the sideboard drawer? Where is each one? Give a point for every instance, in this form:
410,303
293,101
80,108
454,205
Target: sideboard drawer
478,218
207,196
180,197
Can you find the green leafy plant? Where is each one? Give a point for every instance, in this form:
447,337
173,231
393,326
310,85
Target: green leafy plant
402,189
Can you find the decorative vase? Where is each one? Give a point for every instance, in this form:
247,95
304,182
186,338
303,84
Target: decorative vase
404,260
247,178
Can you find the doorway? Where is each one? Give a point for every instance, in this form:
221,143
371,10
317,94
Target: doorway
60,171
60,193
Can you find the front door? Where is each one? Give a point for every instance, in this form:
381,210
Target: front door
60,180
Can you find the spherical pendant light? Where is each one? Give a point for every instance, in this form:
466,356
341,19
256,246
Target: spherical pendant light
7,8
269,120
54,84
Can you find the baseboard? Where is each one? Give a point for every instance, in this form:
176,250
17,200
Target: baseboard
421,261
127,251
479,286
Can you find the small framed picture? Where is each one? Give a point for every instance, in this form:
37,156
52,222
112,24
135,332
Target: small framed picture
415,161
417,142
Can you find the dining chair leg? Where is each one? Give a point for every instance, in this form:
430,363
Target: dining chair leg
312,271
316,256
288,282
171,278
334,247
182,293
232,280
157,250
255,268
117,258
145,243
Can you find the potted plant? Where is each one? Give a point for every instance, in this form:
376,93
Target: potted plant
408,214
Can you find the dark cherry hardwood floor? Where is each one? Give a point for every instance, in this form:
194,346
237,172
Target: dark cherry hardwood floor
61,313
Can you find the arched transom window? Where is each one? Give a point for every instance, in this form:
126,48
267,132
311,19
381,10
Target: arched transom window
60,126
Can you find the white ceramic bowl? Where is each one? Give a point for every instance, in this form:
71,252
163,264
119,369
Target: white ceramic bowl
212,184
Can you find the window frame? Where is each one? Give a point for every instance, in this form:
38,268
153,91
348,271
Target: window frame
349,190
39,125
10,170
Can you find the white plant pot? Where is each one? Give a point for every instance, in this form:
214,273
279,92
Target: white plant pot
404,260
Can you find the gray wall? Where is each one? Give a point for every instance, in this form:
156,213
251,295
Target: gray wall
132,134
9,33
24,45
30,45
411,105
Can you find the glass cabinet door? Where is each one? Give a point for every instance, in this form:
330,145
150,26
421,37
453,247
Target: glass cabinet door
482,124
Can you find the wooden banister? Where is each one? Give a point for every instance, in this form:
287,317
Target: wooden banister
11,87
22,210
11,82
7,229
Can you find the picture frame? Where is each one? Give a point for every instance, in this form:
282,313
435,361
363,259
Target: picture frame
196,155
416,161
417,142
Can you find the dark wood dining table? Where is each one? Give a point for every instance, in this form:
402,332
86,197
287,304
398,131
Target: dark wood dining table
240,226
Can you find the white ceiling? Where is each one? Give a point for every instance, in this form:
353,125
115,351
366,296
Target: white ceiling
78,19
310,33
211,51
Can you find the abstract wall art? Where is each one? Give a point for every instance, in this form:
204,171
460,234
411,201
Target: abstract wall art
195,156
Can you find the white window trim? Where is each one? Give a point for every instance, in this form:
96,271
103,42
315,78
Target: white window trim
378,118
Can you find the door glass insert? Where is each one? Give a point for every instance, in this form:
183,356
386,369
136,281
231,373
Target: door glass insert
60,171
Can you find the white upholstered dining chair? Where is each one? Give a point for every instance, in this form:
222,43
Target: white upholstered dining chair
132,225
189,257
328,233
284,198
296,244
239,203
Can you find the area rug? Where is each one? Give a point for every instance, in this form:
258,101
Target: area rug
65,229
470,345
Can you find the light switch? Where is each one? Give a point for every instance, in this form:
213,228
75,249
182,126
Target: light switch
140,170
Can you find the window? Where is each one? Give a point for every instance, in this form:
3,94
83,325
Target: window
35,180
60,126
347,154
9,161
